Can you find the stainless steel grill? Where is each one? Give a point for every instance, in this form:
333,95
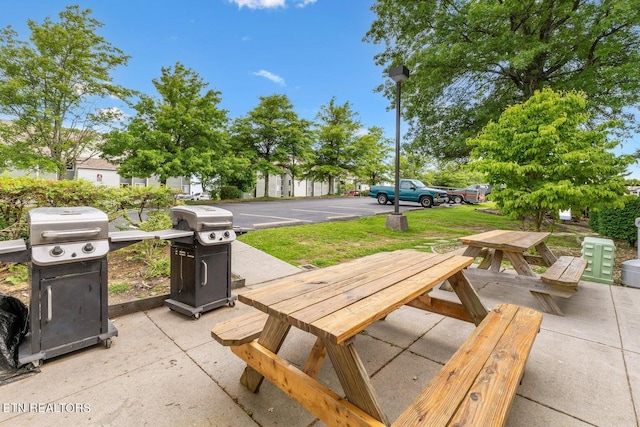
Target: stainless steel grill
200,259
67,256
68,269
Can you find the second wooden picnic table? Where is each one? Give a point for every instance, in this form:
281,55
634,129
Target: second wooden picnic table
496,244
560,279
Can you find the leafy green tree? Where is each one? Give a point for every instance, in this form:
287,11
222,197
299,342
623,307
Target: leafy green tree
471,59
49,88
181,133
337,128
371,152
274,135
542,158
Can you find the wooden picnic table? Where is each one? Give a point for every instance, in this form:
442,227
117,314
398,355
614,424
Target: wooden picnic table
335,304
560,280
496,244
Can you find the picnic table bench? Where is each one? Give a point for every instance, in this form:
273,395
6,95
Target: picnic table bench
336,303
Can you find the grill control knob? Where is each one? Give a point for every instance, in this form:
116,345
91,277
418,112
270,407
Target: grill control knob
88,248
226,234
212,236
56,251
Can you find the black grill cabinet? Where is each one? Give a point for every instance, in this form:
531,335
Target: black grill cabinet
200,259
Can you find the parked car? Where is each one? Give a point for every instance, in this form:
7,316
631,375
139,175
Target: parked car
411,190
475,193
199,196
352,193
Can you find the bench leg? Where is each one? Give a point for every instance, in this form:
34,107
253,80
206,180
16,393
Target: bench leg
354,379
547,303
271,338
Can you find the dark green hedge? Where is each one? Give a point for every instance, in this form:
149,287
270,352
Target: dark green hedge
228,192
617,224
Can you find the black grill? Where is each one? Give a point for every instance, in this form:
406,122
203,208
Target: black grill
200,259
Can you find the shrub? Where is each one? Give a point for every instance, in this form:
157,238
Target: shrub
230,192
617,223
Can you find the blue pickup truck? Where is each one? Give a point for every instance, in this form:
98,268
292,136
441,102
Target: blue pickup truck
411,190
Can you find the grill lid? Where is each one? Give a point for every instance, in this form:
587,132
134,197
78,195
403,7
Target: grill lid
67,224
201,218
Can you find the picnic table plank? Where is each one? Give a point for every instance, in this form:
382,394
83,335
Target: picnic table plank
400,265
304,316
346,322
506,240
302,283
566,272
495,388
440,399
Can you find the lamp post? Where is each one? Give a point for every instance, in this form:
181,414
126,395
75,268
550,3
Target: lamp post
397,221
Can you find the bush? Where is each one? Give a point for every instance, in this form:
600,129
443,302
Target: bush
19,195
617,223
230,192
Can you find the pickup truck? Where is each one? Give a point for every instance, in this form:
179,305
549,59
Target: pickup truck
411,190
475,193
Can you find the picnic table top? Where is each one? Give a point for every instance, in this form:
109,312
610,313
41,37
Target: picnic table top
337,302
506,239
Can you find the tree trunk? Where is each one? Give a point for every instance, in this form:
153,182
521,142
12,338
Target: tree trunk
293,186
266,184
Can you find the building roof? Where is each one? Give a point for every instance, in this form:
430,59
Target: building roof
94,163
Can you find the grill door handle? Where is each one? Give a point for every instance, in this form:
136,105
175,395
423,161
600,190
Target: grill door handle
216,225
205,272
83,232
49,303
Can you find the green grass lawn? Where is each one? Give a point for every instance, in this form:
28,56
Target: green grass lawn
334,242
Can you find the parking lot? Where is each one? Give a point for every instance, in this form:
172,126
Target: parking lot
281,213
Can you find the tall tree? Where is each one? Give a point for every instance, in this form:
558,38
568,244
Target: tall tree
180,133
371,152
337,128
49,88
542,158
470,59
275,135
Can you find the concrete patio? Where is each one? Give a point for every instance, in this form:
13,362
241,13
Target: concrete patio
164,369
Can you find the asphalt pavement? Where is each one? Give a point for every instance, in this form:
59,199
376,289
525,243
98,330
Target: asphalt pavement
267,214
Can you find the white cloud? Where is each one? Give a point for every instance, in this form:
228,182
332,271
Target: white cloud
303,3
113,114
270,4
259,4
270,76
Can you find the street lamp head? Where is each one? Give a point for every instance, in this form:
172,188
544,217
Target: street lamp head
399,74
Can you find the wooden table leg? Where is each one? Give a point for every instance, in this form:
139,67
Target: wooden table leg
271,338
468,297
354,379
520,265
316,357
496,264
472,251
547,256
487,261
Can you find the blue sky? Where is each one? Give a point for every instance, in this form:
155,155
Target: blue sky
309,50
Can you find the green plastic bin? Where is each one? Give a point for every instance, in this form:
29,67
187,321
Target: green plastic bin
600,256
